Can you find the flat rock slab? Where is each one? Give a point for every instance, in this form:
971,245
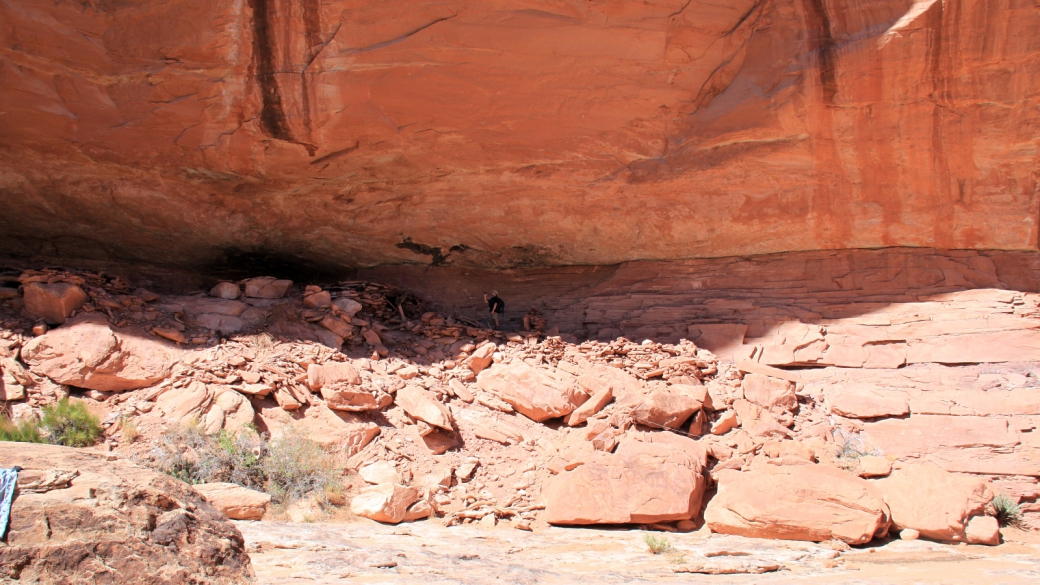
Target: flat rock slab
429,554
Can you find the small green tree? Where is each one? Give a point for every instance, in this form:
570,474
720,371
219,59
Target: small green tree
70,424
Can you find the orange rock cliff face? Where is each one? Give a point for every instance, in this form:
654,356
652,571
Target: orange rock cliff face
515,133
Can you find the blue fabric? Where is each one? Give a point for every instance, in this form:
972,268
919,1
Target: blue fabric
8,481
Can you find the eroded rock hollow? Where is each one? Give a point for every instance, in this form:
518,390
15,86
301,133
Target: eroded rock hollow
491,134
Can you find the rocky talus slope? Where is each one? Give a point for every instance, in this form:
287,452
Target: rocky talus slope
442,418
531,132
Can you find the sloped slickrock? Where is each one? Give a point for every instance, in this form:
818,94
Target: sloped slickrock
770,393
234,501
861,401
664,408
113,523
89,353
652,477
53,303
387,503
422,405
936,503
531,392
798,502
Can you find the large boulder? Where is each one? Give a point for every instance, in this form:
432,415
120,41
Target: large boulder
532,393
89,353
652,477
53,303
797,502
387,503
344,431
266,287
770,393
82,517
213,407
664,408
936,503
422,405
234,501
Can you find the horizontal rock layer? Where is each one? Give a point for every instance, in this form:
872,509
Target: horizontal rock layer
351,133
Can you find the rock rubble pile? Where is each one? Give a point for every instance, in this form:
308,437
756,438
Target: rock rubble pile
441,418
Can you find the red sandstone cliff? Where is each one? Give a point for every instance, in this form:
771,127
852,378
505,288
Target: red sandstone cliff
354,132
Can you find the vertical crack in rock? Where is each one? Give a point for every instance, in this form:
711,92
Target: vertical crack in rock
821,42
272,115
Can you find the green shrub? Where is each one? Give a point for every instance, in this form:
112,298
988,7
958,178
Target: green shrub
657,544
296,467
23,431
1006,510
70,424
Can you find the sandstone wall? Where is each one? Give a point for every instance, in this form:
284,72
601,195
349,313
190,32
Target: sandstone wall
520,132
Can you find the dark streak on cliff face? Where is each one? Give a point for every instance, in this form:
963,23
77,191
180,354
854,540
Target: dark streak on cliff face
822,43
312,32
272,115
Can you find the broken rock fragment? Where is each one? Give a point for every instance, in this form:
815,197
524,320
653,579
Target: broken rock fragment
652,477
226,290
663,408
531,392
797,502
267,287
422,405
387,503
935,502
53,303
773,394
235,501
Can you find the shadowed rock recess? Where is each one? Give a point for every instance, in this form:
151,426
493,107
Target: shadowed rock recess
770,270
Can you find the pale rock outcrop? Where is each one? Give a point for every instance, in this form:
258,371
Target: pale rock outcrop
387,503
89,353
53,303
422,405
797,502
531,392
106,519
236,502
213,407
652,477
936,503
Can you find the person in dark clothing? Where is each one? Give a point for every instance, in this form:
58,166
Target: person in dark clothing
495,306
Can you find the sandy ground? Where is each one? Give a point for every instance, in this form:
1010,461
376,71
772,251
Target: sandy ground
424,552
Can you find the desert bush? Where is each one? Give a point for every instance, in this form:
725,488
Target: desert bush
297,466
194,457
657,544
1005,510
23,431
70,424
289,467
850,448
129,430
